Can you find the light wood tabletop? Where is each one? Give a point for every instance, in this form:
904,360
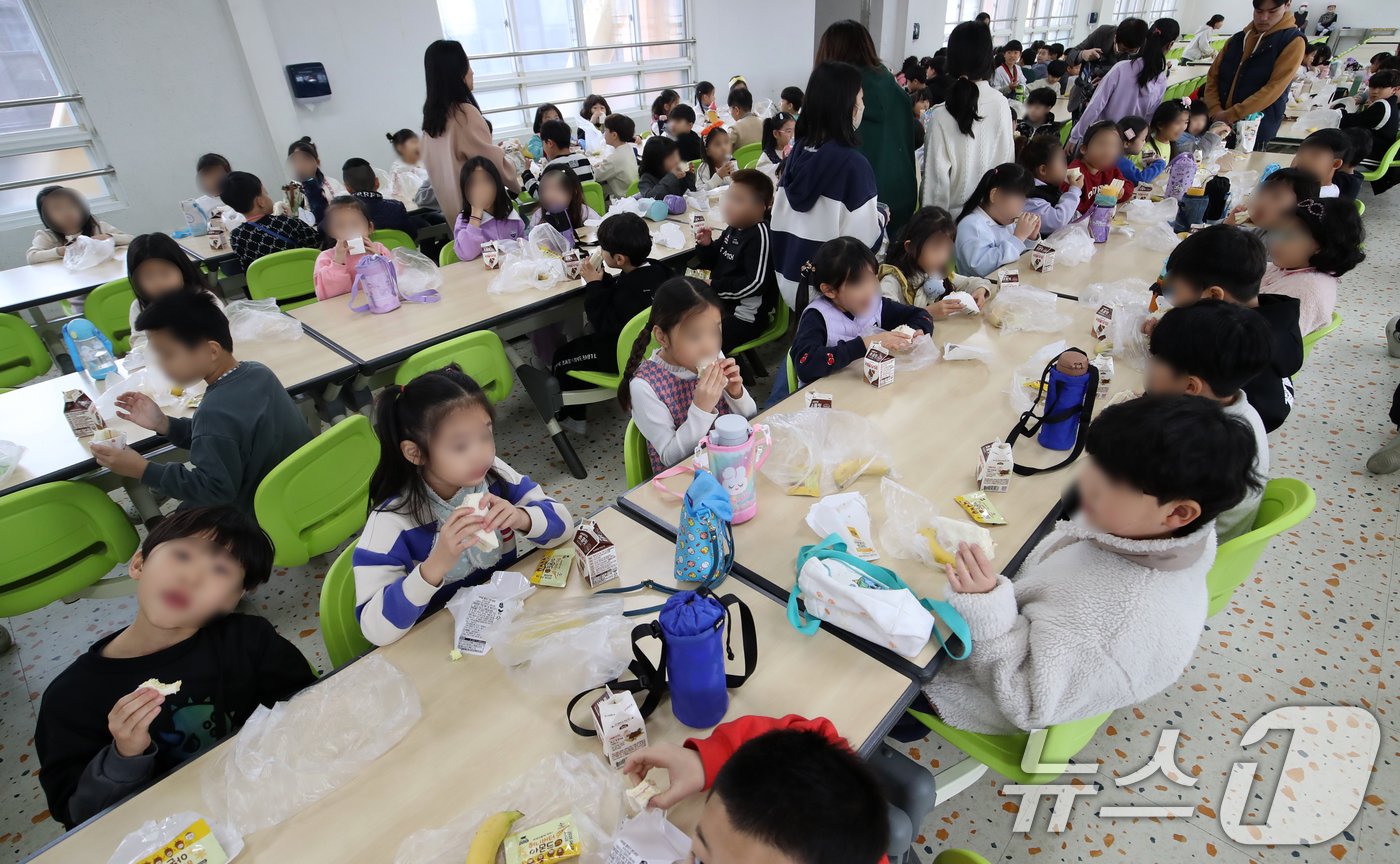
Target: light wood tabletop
32,416
35,284
466,304
480,729
199,249
935,419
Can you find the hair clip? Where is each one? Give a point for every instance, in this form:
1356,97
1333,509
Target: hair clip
705,133
1186,102
1313,208
1129,134
808,268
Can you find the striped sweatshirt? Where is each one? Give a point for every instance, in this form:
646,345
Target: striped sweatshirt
825,192
390,592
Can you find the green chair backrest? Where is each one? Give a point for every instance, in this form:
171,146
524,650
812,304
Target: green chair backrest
1311,339
634,456
628,337
791,373
57,539
1380,170
1286,502
109,307
23,356
593,196
747,156
959,856
632,189
393,238
285,277
319,495
448,255
1360,206
340,629
1003,753
481,354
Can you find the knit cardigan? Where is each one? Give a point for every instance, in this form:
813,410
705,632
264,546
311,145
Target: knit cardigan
953,162
1315,291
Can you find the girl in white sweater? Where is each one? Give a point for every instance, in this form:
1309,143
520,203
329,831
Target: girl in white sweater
1107,610
971,133
66,217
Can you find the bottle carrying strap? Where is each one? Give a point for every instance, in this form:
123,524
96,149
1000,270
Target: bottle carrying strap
355,290
1029,424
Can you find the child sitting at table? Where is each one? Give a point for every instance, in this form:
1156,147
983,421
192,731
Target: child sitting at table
561,203
346,220
1315,246
1108,609
1322,155
994,227
778,132
618,170
747,126
1378,113
1201,132
1275,199
1348,181
1056,76
918,269
663,172
1009,77
209,173
1039,118
103,731
263,232
304,161
1045,159
436,447
1098,159
157,266
558,150
1168,124
717,163
363,183
846,312
609,302
740,261
410,177
488,213
245,426
66,217
1139,163
1225,263
677,393
680,127
1212,349
782,790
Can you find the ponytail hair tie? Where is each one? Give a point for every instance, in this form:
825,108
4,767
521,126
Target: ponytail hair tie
808,268
1129,134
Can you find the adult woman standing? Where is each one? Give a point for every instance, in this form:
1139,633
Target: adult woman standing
453,128
887,127
970,133
828,187
1200,47
1133,87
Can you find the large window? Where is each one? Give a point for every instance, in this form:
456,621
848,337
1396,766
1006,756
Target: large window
1051,20
45,136
1003,14
529,52
1146,9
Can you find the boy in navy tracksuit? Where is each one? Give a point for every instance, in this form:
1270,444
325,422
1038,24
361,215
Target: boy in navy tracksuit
360,181
740,261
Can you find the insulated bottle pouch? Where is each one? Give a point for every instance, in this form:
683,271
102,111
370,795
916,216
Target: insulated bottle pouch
1062,405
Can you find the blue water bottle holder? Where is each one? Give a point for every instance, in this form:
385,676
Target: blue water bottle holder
1029,423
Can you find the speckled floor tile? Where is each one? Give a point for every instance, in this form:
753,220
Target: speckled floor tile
977,818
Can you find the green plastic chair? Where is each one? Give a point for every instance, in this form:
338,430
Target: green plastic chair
777,329
959,856
1360,206
696,163
625,341
791,374
393,238
448,255
1003,753
747,156
1286,503
284,276
340,629
632,189
23,356
593,196
57,540
319,495
1312,338
635,457
109,308
480,354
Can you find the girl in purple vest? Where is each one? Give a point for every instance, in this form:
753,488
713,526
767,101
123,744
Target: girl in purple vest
676,393
847,312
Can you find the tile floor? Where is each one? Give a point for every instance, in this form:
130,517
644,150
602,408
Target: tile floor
1319,623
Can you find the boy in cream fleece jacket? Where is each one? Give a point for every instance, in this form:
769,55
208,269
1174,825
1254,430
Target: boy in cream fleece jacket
1107,610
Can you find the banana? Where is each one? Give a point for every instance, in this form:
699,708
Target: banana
490,835
940,555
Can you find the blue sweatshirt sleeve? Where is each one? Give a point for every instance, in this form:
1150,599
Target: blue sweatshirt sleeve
1145,174
1053,217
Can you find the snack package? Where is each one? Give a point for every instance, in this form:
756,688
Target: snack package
994,464
1103,320
649,838
1010,277
478,608
980,508
555,567
1104,363
597,554
573,263
879,365
81,414
186,837
555,840
914,530
355,245
847,516
620,726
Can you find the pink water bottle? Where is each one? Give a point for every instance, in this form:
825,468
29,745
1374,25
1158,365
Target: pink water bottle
736,452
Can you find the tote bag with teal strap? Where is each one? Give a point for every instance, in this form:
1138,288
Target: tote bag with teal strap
869,601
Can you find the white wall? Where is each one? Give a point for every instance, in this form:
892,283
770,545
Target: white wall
769,43
163,83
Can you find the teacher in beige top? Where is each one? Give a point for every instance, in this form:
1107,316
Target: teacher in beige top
453,128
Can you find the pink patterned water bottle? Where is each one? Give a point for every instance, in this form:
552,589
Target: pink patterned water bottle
735,453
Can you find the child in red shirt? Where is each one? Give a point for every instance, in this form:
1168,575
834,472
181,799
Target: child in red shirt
1098,159
788,791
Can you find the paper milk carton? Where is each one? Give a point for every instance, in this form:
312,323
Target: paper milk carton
491,255
81,414
573,263
1104,363
1103,320
879,366
620,726
994,466
1009,277
697,220
596,553
1042,258
820,400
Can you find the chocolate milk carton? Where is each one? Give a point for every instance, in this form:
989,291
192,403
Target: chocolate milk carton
620,726
81,414
879,366
1104,363
491,255
573,263
994,466
1042,258
596,553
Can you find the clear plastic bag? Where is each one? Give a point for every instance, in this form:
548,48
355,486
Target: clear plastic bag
923,354
1319,118
260,321
85,252
10,454
1129,343
820,451
583,786
537,263
153,838
1145,211
565,647
1022,309
912,522
416,273
297,752
1025,381
1157,236
1121,291
1072,243
669,235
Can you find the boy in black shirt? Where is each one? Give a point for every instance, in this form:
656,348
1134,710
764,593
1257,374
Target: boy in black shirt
103,732
265,232
361,181
741,262
680,127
